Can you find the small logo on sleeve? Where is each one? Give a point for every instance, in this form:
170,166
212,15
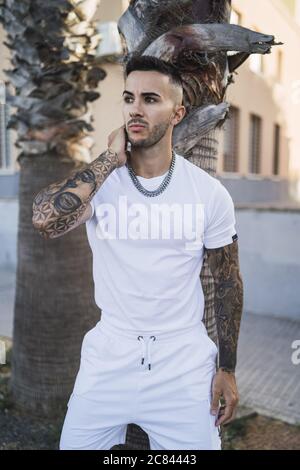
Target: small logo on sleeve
234,237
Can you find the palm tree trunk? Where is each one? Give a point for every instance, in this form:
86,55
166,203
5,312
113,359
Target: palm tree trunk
204,155
54,73
54,303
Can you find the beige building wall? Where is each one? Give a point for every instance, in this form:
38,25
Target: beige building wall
294,8
111,10
107,110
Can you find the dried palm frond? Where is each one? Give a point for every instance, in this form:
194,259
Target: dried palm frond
53,46
156,17
199,52
193,37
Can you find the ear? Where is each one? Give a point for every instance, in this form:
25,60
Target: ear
178,114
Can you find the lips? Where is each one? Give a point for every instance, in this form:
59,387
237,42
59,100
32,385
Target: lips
137,126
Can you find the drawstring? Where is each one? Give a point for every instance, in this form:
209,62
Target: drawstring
148,349
143,354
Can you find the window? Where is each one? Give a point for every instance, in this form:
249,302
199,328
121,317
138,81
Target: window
276,157
255,143
231,140
5,154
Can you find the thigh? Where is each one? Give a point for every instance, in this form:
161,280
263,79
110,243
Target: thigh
88,426
192,427
101,404
108,374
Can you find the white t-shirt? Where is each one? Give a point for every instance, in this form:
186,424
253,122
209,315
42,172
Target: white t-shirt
148,251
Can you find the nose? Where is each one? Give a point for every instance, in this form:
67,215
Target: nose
135,113
135,109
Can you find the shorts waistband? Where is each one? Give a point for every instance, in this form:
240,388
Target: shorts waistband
132,334
146,338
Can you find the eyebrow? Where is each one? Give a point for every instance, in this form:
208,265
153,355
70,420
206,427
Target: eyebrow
146,93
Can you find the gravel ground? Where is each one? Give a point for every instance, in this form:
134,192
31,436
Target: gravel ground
262,433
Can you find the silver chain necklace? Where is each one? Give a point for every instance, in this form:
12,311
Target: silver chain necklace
161,187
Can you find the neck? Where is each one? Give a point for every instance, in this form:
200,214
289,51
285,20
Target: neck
150,162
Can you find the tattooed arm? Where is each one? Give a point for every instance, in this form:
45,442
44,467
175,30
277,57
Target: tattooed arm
63,206
224,266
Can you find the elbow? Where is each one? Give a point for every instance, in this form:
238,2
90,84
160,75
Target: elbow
40,227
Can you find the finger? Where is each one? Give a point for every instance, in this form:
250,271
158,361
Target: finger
215,402
226,416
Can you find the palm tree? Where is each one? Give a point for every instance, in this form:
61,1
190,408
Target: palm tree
195,36
54,75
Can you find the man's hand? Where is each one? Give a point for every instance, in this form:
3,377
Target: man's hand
224,385
117,143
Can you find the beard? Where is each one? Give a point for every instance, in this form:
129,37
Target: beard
158,132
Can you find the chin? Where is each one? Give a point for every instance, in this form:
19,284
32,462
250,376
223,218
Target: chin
137,140
139,144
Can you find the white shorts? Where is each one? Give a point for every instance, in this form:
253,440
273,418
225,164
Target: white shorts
161,382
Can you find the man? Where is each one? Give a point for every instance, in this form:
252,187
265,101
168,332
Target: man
149,215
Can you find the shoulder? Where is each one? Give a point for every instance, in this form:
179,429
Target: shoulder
212,192
194,169
112,180
208,182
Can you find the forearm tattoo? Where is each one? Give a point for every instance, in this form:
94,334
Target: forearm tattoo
224,266
59,206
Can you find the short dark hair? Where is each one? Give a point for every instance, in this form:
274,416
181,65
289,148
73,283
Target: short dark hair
151,63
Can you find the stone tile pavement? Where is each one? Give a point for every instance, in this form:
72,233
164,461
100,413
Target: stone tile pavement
268,381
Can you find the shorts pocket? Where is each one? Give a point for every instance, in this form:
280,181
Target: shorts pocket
94,352
198,369
94,343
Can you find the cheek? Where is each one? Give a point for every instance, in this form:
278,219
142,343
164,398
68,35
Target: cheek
157,116
161,119
125,112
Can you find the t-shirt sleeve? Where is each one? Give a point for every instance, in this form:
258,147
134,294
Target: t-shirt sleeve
220,226
94,202
92,205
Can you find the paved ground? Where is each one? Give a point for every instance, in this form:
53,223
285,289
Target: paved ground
268,381
7,294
